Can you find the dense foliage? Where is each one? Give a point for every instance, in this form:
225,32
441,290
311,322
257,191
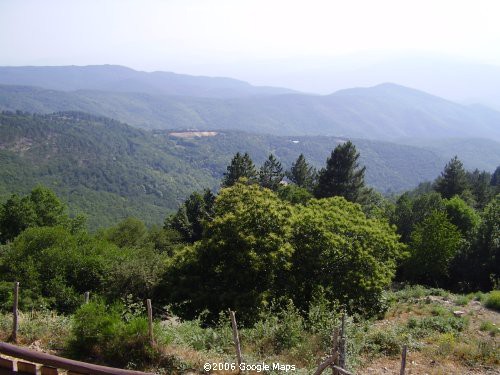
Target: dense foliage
109,171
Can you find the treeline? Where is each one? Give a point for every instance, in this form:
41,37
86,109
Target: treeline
268,237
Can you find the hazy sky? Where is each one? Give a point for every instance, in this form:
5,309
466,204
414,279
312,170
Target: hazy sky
193,36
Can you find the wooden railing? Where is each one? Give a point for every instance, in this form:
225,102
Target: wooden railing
49,364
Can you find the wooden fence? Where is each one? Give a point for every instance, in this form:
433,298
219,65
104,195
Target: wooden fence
46,364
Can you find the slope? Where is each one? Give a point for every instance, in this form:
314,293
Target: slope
385,112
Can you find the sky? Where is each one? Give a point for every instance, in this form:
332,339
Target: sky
213,36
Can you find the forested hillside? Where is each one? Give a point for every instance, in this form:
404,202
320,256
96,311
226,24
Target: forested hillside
384,112
109,170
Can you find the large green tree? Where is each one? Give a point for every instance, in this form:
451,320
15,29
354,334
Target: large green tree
434,243
190,218
56,267
340,251
453,179
241,166
342,175
239,260
40,208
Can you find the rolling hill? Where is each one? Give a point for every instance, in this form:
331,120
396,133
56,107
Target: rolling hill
115,78
109,170
384,112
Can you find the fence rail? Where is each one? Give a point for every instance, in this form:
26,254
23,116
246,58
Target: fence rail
50,364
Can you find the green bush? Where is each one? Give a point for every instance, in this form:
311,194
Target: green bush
277,330
489,327
383,342
493,300
100,332
463,300
322,318
443,324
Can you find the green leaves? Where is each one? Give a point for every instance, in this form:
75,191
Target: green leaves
434,243
258,248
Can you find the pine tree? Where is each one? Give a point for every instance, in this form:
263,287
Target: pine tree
453,180
271,173
302,174
342,175
495,180
241,166
481,189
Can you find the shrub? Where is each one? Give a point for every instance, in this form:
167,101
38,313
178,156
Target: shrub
277,330
442,324
463,300
493,300
99,332
383,342
489,327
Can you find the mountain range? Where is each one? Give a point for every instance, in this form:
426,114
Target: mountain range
384,112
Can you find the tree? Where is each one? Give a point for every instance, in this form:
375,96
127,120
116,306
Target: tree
130,232
241,166
16,214
56,267
481,189
49,209
238,261
483,261
342,175
453,179
271,173
433,245
462,216
191,216
495,180
294,194
302,174
336,248
40,208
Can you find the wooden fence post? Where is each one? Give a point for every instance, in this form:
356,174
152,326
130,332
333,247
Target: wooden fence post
15,313
150,321
236,337
342,354
335,350
403,360
87,297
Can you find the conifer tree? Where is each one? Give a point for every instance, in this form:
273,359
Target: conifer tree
241,166
342,175
302,174
271,173
453,180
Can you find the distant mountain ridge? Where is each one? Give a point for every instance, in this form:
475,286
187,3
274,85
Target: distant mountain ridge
116,78
383,112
